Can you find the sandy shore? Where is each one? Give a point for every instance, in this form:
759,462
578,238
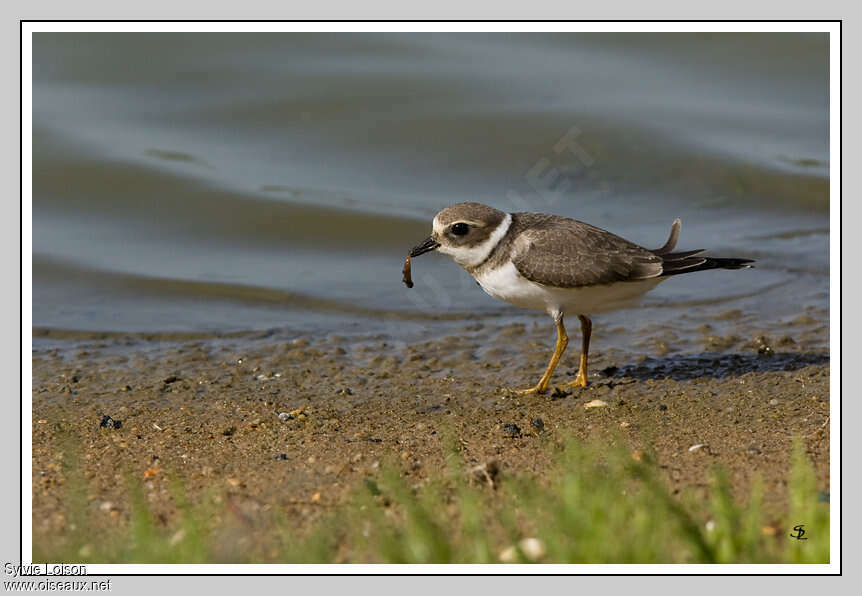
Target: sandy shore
289,422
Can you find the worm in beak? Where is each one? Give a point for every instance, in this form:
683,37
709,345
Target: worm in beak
427,245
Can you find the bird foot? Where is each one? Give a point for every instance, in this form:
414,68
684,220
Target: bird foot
538,389
580,381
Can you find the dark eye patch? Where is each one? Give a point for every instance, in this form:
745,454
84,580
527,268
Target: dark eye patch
460,228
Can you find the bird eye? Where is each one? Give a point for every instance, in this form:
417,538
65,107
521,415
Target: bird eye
460,228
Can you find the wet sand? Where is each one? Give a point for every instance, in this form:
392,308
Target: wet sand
280,422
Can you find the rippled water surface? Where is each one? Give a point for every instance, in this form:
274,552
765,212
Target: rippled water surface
223,182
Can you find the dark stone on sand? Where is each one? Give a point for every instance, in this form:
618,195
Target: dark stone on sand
558,393
229,431
108,422
281,457
610,371
662,407
511,430
538,424
171,379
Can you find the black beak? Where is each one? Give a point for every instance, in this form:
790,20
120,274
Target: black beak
427,245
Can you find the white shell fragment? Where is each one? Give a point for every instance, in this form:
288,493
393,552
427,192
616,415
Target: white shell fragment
696,447
596,403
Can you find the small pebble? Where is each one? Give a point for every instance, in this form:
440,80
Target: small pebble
108,422
532,548
538,424
773,402
150,472
511,430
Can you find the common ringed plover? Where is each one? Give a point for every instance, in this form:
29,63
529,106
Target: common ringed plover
558,265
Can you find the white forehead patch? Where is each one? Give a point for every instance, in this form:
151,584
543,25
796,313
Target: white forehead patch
473,255
437,227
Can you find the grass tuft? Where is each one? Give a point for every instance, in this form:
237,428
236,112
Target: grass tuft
593,505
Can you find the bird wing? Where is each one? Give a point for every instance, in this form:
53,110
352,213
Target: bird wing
562,252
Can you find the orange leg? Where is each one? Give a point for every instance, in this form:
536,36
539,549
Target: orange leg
586,331
562,342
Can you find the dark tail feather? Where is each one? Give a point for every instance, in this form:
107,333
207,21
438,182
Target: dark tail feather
688,261
685,263
679,256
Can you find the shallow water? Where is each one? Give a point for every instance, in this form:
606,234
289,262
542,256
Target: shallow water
224,182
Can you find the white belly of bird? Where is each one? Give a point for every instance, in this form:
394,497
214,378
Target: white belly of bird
506,283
